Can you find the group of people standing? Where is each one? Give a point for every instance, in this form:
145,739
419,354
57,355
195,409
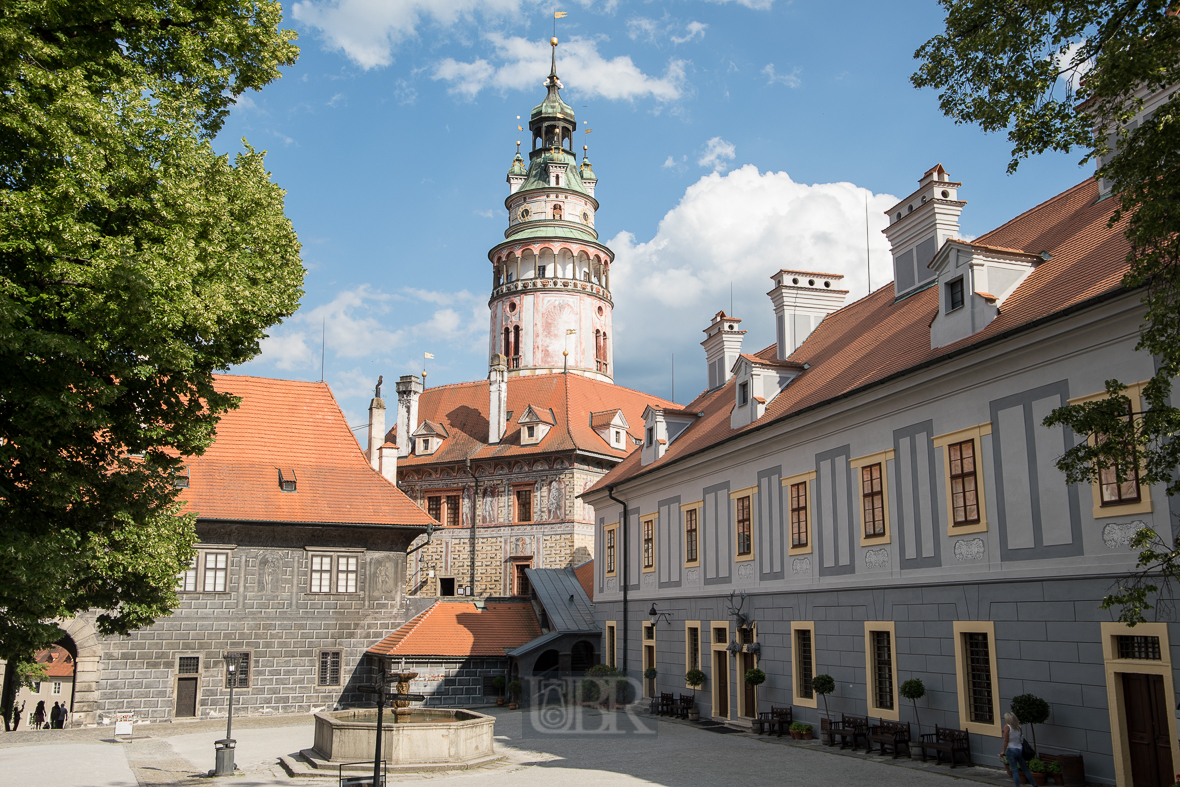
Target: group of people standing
57,716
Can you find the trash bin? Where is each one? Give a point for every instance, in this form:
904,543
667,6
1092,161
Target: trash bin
225,757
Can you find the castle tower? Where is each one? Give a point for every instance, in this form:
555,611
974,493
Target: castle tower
550,301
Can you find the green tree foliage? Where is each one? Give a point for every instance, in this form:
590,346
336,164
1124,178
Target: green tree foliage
913,690
1059,75
1031,710
823,685
134,263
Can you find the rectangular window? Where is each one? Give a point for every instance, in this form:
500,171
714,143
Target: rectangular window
745,544
964,492
522,580
434,508
690,535
649,543
692,648
346,570
186,581
321,574
1132,647
648,434
804,666
216,571
979,678
57,687
610,645
873,500
882,669
1114,492
610,551
329,668
241,676
720,635
799,514
452,510
188,665
954,295
743,392
524,505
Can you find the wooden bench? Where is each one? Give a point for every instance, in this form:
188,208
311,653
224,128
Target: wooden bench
948,740
848,729
664,704
687,702
776,720
889,734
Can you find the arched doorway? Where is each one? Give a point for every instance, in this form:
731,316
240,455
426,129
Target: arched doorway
86,648
546,663
582,656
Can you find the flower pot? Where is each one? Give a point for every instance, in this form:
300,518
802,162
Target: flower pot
1058,778
694,715
807,735
512,706
796,734
1040,778
499,700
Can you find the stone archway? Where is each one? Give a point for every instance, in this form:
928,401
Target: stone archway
86,665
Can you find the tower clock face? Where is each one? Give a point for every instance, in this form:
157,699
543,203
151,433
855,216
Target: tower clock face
586,216
524,213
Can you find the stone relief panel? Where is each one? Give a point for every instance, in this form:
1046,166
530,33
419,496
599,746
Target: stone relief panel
877,559
692,576
270,573
1119,534
745,572
556,502
649,580
970,549
801,565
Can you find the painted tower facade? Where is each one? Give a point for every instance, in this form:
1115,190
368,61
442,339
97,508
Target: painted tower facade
550,302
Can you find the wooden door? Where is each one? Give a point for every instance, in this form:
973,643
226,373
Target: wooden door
1146,712
649,661
721,683
186,697
749,696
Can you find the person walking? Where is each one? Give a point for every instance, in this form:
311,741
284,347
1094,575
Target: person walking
39,715
54,716
1014,749
61,719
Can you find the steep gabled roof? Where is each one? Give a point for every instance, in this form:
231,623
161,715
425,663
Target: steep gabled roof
562,596
878,337
585,575
281,426
569,399
458,628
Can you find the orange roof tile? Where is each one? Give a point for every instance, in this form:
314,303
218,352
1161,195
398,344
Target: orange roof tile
457,628
290,425
571,398
878,337
585,575
57,661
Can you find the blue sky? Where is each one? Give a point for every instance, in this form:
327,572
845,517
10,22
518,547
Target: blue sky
730,139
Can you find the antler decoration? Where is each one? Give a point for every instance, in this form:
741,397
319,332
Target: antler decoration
736,611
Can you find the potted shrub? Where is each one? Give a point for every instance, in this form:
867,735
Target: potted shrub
823,685
514,689
498,683
913,690
796,730
1030,710
694,678
650,673
1054,769
755,677
1037,766
599,689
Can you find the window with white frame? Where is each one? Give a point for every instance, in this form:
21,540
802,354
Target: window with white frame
216,572
333,573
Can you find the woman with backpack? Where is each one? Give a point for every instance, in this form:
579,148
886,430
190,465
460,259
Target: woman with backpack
39,715
1014,745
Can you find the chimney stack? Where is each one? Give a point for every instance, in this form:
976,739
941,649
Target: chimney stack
497,398
387,456
801,300
376,427
918,226
723,345
409,388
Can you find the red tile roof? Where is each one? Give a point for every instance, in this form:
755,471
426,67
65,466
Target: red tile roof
290,425
585,575
457,628
878,336
463,409
57,661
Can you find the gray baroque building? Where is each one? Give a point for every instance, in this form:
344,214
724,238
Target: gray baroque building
875,497
300,568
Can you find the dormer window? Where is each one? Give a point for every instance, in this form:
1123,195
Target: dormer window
648,435
743,393
531,431
954,294
287,480
618,437
426,445
180,479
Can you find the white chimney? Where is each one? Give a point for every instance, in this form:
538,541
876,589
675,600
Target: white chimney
723,345
409,387
801,300
497,398
387,455
918,226
376,427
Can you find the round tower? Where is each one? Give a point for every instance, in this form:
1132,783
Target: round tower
550,303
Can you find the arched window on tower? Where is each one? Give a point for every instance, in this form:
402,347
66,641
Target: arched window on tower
605,355
598,349
507,343
557,212
515,346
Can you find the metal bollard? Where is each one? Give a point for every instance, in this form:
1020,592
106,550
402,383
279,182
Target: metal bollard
225,757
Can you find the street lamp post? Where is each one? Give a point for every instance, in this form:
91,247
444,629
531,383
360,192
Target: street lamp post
225,746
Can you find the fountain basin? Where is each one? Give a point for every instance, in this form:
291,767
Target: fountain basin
423,739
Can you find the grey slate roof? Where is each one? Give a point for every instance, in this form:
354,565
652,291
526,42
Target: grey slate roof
562,596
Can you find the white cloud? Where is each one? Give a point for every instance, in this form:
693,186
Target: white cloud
642,28
757,5
717,154
694,29
289,351
337,99
368,31
1072,66
487,214
404,93
669,163
521,64
790,80
733,229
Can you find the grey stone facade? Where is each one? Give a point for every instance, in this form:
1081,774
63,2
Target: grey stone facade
455,683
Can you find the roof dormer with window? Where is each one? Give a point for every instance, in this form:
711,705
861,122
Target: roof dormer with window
756,383
611,426
428,438
535,424
973,282
661,428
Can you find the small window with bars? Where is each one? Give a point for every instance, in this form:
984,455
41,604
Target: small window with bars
799,533
964,495
882,651
188,665
872,495
1135,647
694,647
434,508
745,542
524,505
452,510
979,678
720,636
216,572
649,633
329,674
240,677
804,668
610,551
690,536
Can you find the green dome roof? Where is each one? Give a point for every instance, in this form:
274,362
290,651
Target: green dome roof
517,166
538,176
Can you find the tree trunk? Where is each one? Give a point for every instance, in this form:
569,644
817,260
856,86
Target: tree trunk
8,694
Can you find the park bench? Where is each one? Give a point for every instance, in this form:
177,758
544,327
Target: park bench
776,720
687,702
948,740
848,729
889,734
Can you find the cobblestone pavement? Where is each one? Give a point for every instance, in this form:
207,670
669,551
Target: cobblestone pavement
677,753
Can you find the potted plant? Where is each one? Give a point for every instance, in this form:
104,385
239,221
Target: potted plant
796,730
806,730
1054,769
514,689
694,678
1037,766
1030,710
600,687
913,690
498,683
650,673
823,685
755,677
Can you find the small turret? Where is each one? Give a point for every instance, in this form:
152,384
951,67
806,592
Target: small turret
587,171
517,172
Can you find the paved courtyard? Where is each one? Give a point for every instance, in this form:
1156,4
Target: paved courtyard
677,754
